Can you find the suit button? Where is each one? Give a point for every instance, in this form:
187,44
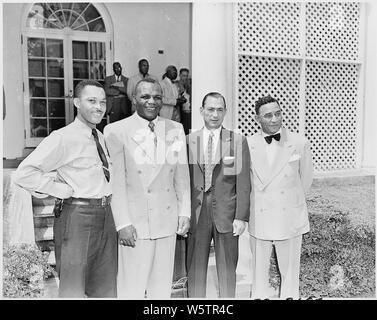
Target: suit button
199,202
149,190
283,209
167,189
201,188
139,171
168,207
282,192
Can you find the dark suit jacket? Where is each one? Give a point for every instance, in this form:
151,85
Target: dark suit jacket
230,179
111,92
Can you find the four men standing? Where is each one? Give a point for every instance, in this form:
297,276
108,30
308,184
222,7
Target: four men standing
230,179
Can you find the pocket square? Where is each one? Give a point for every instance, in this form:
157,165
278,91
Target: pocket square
294,157
228,160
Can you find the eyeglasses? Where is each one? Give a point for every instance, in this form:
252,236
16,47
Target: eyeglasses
270,115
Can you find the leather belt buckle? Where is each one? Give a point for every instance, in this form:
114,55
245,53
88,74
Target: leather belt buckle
103,201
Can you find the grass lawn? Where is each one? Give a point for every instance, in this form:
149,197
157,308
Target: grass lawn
338,255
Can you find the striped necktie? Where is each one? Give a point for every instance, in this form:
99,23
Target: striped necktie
101,153
208,165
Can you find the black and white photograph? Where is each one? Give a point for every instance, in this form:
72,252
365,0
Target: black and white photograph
203,150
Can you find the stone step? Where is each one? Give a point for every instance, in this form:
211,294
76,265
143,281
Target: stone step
51,258
46,245
43,221
44,234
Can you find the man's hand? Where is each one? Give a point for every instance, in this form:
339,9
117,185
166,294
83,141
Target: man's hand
181,100
183,226
238,227
127,236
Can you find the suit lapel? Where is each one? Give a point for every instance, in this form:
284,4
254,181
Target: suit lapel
161,149
196,149
259,158
284,150
137,135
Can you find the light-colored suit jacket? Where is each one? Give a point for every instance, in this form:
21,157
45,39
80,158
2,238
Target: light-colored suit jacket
149,196
278,206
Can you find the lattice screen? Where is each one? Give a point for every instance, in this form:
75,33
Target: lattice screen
332,30
330,120
270,62
265,28
260,76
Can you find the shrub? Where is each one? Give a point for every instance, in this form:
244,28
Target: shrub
25,268
337,258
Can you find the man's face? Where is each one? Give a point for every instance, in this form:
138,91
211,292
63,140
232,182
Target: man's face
117,69
172,73
91,105
270,118
213,112
148,100
184,76
144,67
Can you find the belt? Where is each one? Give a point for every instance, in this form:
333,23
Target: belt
119,96
103,202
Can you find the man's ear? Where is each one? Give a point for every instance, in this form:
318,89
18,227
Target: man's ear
256,117
76,102
201,110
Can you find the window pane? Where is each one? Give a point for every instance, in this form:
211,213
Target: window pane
54,48
38,127
55,88
81,69
91,13
80,50
56,124
55,68
37,88
97,70
97,50
56,107
36,67
38,108
35,47
80,24
97,26
79,7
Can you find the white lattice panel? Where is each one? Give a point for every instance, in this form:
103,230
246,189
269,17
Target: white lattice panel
332,30
331,109
261,76
269,28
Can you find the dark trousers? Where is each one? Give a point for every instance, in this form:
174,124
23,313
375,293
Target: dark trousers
186,121
121,109
226,254
86,251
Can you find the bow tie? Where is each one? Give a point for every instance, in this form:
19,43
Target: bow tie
276,136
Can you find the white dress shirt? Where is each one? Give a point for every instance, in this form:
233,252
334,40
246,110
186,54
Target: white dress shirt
71,153
271,148
215,141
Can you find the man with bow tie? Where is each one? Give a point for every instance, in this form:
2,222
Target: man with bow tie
219,163
151,194
281,174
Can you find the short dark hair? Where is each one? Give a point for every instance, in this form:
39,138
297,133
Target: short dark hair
116,63
264,100
84,83
149,80
184,70
214,95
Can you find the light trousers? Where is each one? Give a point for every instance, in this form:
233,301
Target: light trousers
288,256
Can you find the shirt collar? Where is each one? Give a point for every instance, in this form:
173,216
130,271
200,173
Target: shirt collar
145,122
83,127
266,134
216,132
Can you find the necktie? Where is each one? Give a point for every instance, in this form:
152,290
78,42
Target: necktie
105,164
273,136
208,166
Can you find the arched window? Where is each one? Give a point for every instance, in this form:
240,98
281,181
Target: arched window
76,16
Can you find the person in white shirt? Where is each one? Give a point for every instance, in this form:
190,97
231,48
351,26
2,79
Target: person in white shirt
171,98
281,173
142,74
84,230
151,194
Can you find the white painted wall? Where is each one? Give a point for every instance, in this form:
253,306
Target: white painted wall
369,157
13,125
140,30
212,57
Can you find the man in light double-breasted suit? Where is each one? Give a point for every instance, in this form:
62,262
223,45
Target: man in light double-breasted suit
151,194
219,163
281,173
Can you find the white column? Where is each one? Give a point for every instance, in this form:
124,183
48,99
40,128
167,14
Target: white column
212,57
